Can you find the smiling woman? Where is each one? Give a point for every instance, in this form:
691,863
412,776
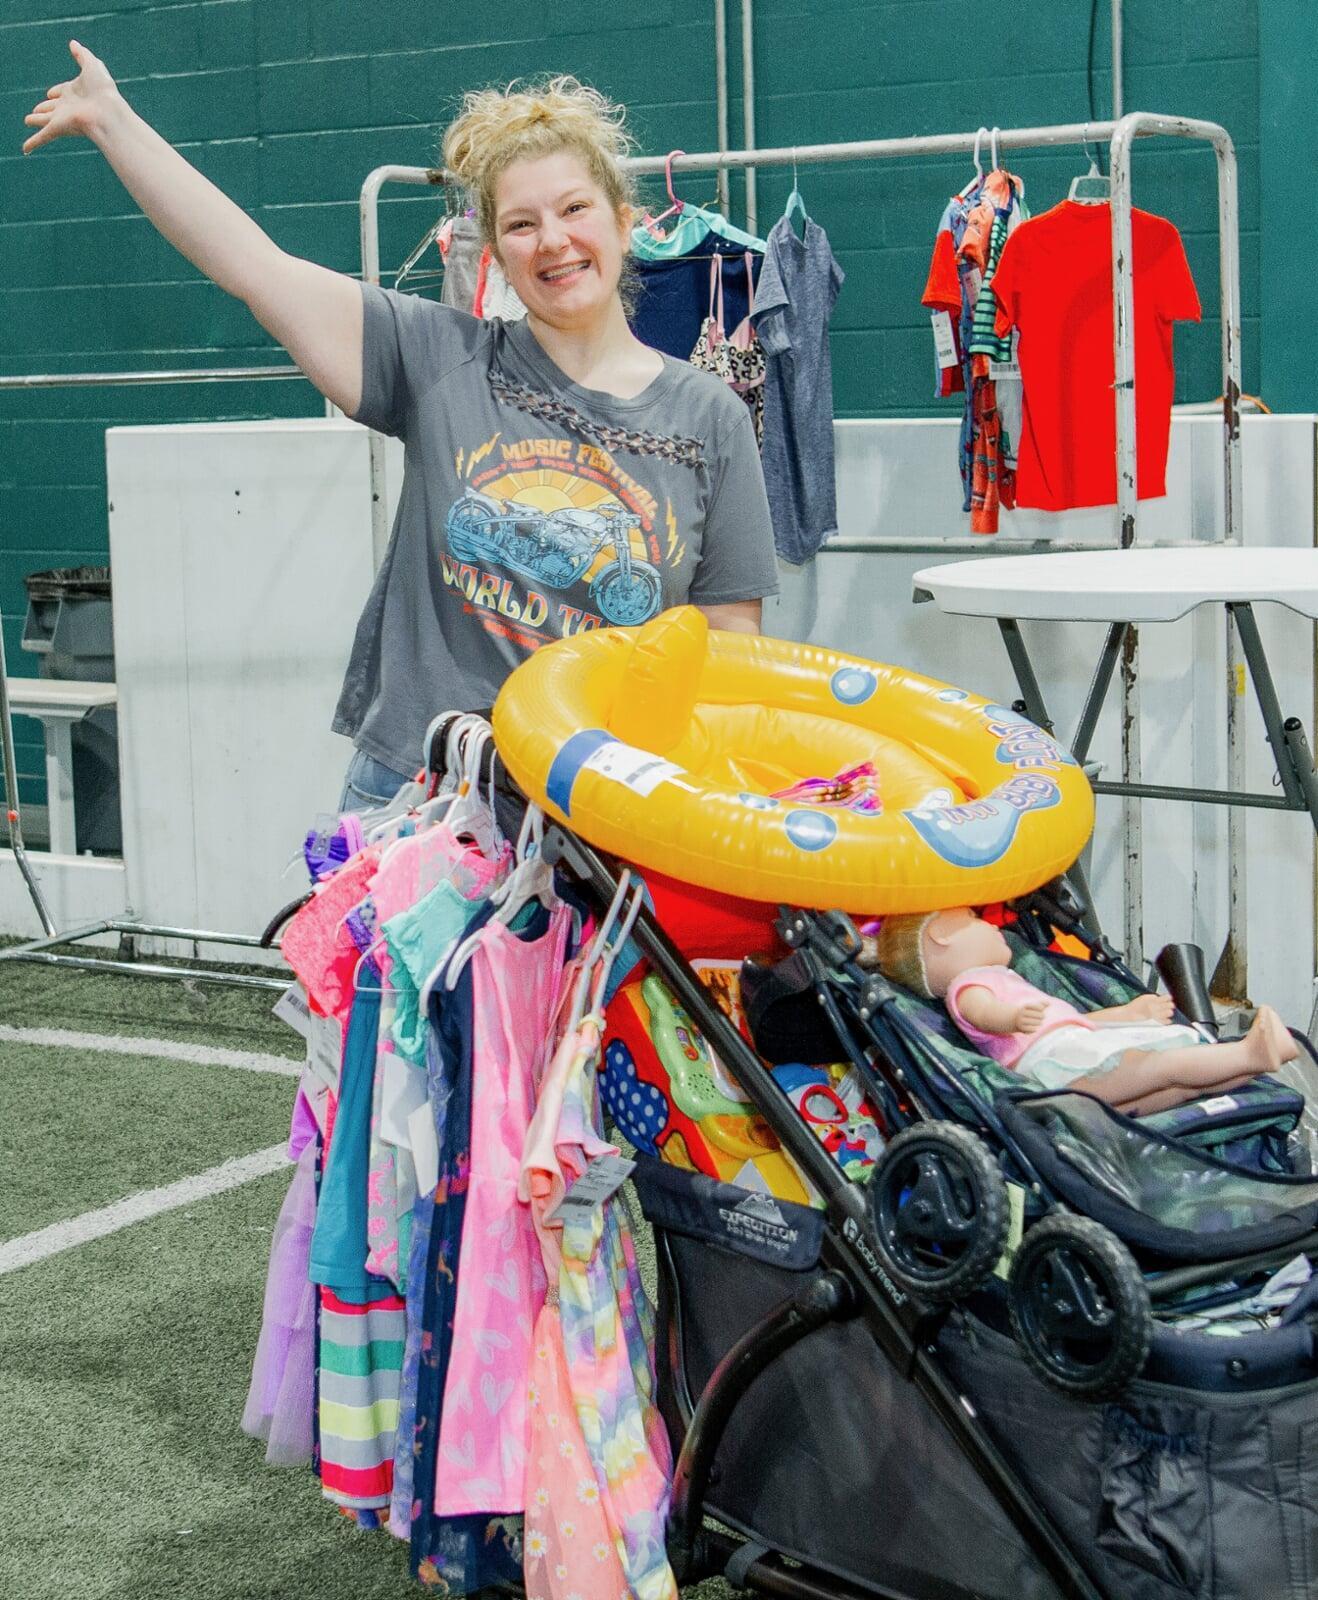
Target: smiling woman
560,475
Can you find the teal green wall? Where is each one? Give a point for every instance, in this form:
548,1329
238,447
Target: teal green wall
288,103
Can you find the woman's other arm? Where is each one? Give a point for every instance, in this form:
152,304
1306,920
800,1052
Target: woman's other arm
743,616
315,314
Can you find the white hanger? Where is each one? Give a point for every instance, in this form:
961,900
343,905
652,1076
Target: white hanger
994,160
578,1009
531,879
469,815
979,170
1092,176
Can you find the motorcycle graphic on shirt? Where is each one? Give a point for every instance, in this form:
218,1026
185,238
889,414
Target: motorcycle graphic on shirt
557,548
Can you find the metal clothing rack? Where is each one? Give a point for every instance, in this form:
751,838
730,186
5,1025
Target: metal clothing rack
1120,136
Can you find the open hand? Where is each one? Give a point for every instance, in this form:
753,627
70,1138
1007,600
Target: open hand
74,107
1028,1016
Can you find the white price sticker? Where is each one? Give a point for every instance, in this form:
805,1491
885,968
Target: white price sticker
292,1008
641,771
944,343
603,1177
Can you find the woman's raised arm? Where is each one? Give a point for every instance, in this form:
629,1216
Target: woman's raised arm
315,314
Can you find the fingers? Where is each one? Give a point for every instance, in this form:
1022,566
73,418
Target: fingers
37,139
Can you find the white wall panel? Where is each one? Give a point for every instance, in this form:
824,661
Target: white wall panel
241,557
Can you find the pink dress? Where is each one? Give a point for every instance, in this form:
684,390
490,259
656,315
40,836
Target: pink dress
599,1468
501,1277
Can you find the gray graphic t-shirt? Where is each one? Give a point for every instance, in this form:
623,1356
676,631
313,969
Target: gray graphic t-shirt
531,509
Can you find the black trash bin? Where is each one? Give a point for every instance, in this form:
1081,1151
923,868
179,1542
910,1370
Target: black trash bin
69,625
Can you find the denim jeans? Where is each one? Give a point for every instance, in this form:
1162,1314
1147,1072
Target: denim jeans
369,784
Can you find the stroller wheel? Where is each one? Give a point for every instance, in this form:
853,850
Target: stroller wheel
939,1207
1079,1306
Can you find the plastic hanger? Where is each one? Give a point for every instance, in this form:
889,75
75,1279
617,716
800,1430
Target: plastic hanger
1097,198
609,953
795,204
1094,175
995,161
978,179
532,878
583,984
676,206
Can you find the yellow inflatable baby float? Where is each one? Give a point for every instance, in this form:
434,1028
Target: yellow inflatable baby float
667,744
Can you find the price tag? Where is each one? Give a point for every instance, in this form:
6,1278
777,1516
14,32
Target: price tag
603,1177
325,1050
641,771
1008,369
944,343
292,1008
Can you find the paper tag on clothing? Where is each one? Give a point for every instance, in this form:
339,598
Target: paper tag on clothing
944,343
292,1008
425,1148
603,1177
325,1049
641,771
1221,1102
1008,369
316,1092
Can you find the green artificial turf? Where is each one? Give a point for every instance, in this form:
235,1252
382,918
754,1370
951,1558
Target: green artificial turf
111,1003
79,1128
127,1475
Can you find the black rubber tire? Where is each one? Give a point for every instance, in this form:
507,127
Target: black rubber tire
1094,1352
950,1250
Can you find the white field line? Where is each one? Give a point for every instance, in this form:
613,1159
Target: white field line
32,1247
198,1055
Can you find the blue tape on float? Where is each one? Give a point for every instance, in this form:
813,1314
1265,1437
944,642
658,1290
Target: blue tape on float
569,762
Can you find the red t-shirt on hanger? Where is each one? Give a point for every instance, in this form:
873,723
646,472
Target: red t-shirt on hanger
1054,283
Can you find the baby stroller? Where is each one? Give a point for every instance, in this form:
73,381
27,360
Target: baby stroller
867,1407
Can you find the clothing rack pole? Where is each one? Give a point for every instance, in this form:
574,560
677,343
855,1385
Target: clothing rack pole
1231,973
748,107
721,93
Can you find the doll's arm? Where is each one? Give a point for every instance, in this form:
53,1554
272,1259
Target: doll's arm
983,1010
1143,1008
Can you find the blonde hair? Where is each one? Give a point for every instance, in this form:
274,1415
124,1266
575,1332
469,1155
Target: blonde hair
531,119
901,953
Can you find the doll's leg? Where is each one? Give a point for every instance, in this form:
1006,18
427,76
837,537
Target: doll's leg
1144,1081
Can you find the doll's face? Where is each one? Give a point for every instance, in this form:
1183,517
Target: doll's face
956,940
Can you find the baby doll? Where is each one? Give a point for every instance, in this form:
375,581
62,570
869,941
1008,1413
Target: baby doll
1133,1056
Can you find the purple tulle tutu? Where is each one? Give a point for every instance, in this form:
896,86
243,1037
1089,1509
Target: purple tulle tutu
281,1398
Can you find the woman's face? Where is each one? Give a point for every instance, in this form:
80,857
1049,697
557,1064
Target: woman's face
559,240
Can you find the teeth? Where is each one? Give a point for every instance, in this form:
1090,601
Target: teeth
563,272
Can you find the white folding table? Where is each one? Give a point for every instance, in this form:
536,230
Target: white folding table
59,703
1124,588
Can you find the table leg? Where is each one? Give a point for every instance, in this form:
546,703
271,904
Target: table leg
1098,688
1033,701
1023,667
59,786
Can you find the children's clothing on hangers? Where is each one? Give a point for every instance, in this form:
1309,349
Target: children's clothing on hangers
794,301
1054,284
736,357
673,300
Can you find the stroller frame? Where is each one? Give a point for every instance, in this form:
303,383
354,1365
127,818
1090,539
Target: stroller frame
853,1283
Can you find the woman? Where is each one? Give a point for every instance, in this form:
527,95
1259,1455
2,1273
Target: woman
560,475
